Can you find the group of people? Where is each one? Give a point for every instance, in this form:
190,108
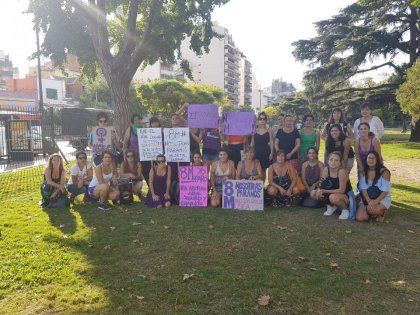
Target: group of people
287,158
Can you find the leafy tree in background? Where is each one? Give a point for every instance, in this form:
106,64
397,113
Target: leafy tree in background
408,95
364,31
167,96
119,36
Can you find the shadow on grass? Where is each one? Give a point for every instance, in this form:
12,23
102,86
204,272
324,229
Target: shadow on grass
62,219
407,188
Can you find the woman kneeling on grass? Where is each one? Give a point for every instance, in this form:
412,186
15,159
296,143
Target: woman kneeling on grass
100,186
375,187
159,184
221,170
311,175
131,168
80,176
334,187
53,190
282,180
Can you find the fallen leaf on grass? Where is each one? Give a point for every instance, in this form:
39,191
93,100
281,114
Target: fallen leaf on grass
90,245
348,231
328,254
107,247
112,228
211,226
139,297
136,223
264,300
62,225
187,276
313,269
368,281
400,282
152,222
410,231
333,265
302,258
282,227
65,236
166,227
135,241
199,243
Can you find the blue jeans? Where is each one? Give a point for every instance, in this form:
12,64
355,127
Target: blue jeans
74,190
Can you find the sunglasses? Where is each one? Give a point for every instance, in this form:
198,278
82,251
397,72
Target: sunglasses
261,118
82,158
160,161
102,120
130,155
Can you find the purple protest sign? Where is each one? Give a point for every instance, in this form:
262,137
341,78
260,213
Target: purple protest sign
193,191
101,139
238,123
203,116
243,194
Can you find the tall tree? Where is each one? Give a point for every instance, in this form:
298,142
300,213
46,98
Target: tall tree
364,31
408,95
120,35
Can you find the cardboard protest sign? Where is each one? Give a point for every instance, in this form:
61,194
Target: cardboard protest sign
203,116
193,181
102,139
238,123
243,194
177,144
150,143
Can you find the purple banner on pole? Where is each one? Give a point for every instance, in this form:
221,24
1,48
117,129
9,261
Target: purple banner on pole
193,191
203,116
238,123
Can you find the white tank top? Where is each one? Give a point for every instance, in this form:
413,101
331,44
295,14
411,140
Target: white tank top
107,179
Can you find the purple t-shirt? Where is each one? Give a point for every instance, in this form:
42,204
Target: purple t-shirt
211,141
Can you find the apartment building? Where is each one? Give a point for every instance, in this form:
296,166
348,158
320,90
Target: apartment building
7,71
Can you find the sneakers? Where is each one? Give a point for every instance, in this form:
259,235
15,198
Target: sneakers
344,214
104,206
330,210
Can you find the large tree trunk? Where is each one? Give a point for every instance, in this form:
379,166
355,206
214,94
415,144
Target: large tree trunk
415,130
119,93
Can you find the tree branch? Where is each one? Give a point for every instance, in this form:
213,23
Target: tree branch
390,85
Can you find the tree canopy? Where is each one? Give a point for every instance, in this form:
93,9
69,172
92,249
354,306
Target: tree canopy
119,36
408,95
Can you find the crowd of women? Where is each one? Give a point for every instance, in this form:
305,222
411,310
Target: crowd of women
285,159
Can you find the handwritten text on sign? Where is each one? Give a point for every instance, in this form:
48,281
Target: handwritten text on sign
177,144
150,143
243,194
193,189
101,139
203,116
238,123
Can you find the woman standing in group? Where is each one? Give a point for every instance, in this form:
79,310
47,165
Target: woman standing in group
337,141
288,141
131,168
263,143
53,186
221,170
249,168
337,118
366,143
334,187
80,176
159,184
375,123
154,122
309,138
100,187
131,140
375,188
282,180
211,145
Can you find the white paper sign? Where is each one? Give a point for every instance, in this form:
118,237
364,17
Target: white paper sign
150,143
102,139
177,144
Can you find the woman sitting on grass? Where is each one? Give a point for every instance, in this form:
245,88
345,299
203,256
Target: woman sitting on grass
131,168
221,170
334,187
53,190
159,184
375,188
311,175
282,180
100,186
80,176
250,167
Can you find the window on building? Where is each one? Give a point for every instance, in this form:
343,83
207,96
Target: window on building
52,94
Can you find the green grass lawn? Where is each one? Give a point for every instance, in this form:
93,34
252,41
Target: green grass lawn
132,260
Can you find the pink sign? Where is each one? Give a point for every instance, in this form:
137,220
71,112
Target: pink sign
193,181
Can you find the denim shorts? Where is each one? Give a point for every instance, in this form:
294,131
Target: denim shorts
209,157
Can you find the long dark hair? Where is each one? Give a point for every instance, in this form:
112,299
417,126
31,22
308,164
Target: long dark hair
342,117
330,145
125,162
378,167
